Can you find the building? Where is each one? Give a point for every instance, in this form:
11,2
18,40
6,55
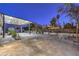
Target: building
13,22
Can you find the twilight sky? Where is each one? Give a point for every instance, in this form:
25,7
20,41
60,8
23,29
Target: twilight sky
40,13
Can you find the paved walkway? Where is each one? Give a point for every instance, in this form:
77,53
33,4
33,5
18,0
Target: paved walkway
9,38
44,45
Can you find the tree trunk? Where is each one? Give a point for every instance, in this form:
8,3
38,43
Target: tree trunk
77,32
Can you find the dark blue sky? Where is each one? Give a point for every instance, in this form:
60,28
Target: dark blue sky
39,13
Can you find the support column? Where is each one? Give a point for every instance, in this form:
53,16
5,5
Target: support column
29,28
21,29
3,26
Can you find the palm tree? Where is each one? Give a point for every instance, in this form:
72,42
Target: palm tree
72,11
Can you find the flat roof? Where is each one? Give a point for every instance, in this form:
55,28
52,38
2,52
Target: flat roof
16,21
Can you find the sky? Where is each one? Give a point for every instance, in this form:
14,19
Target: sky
40,13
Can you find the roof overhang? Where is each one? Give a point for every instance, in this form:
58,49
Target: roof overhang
16,21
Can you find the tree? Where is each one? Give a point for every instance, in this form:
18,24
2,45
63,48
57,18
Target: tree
72,11
68,26
36,27
32,26
54,20
39,29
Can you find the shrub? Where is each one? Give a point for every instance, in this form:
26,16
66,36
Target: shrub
12,32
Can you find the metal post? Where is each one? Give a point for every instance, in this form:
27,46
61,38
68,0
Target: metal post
21,29
3,26
29,28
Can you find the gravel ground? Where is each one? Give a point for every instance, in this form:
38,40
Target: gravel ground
39,46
